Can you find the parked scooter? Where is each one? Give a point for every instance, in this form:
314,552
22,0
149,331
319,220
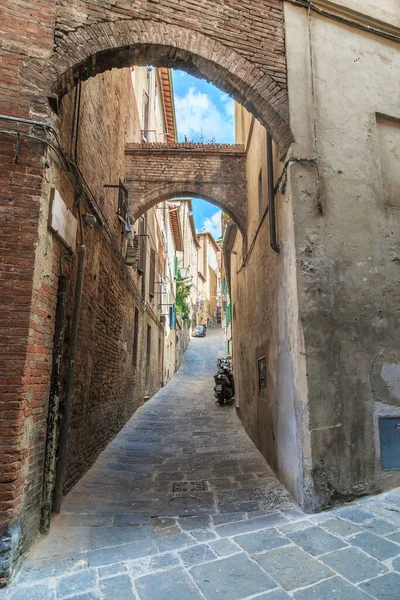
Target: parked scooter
224,388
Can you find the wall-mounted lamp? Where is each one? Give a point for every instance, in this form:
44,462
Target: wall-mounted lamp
89,220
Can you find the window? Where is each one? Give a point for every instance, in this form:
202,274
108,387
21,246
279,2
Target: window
146,109
148,356
152,271
260,195
135,338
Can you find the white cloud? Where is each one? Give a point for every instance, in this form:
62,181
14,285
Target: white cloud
198,116
213,224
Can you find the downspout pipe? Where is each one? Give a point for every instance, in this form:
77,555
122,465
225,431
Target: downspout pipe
271,196
62,452
54,402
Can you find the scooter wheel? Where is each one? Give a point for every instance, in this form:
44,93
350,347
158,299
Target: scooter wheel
220,399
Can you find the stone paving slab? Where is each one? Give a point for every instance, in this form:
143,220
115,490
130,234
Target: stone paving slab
332,589
231,578
292,567
123,534
176,585
354,565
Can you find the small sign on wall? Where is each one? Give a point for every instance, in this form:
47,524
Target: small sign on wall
61,220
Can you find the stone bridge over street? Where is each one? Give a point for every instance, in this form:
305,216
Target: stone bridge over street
214,172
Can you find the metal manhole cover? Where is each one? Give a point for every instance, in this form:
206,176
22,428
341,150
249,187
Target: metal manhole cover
185,502
189,486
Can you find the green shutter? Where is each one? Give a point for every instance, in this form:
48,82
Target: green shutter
176,267
228,314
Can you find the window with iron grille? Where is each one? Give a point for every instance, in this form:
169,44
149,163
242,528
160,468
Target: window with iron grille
152,271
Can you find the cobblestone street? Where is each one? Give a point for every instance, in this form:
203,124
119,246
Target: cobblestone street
182,506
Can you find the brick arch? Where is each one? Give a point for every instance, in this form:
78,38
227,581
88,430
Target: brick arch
214,172
176,191
98,47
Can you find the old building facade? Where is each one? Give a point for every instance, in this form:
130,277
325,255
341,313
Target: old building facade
315,313
208,277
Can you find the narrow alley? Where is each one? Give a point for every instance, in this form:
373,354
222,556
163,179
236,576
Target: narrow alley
182,506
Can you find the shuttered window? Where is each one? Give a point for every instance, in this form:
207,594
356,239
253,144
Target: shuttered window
152,271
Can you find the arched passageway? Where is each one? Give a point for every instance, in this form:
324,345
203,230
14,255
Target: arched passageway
75,41
215,172
255,81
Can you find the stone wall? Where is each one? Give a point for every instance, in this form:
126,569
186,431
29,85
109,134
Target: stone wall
216,172
348,256
266,330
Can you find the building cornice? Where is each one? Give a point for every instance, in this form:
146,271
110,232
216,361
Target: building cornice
350,17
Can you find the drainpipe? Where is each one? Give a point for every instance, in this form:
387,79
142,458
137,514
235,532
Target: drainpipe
62,453
271,196
54,402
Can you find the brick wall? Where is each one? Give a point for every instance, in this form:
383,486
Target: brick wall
215,172
26,33
107,386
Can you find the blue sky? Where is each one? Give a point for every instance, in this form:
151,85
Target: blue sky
203,114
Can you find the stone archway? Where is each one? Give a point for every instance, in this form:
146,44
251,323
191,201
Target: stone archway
215,172
254,79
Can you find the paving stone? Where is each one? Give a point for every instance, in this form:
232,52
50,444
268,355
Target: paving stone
297,526
274,595
335,588
353,564
108,556
340,527
52,567
81,520
117,588
396,564
175,542
86,596
229,518
395,537
71,540
257,542
41,591
376,546
231,529
163,533
174,584
111,570
231,578
381,527
292,568
316,540
392,498
120,520
198,522
354,514
162,522
196,555
224,547
163,561
105,537
386,587
77,583
293,513
203,535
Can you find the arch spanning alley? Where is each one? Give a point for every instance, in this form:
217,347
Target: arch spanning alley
253,76
214,172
